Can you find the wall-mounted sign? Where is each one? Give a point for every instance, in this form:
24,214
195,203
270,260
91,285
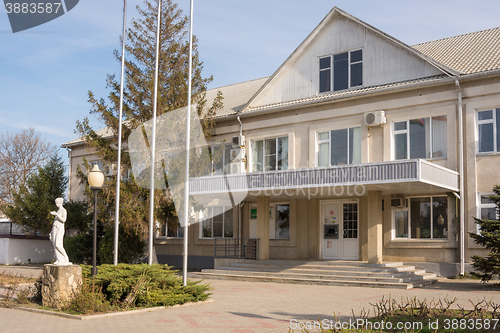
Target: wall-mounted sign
253,213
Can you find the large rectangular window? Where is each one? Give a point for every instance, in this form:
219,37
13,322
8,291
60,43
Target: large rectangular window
270,154
341,71
488,128
339,147
425,218
219,223
420,138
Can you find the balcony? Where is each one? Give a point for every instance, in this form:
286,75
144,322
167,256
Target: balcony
405,177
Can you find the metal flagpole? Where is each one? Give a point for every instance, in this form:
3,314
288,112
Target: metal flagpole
188,134
118,163
153,143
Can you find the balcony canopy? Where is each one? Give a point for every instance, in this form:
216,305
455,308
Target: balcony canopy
407,177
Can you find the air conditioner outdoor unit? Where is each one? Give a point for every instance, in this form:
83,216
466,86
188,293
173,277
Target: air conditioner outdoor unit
237,167
238,141
374,118
399,202
237,154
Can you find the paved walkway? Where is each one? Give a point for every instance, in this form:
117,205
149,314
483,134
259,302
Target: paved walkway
249,307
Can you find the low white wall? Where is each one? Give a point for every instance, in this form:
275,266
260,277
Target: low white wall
23,251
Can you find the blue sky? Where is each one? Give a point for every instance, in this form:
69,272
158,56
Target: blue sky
46,72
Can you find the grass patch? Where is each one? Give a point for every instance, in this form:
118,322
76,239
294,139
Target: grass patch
9,279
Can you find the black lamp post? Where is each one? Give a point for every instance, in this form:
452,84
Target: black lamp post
96,179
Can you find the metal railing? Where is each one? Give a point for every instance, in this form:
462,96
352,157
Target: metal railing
355,174
10,229
236,248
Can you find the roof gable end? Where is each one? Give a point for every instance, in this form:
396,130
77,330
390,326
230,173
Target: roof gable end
385,60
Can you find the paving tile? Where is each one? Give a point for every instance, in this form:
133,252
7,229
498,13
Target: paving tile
248,307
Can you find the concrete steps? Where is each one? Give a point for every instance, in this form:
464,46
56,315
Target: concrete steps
339,273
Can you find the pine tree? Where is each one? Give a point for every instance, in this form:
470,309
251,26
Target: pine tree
489,237
34,200
138,107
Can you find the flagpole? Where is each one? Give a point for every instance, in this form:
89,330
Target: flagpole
188,135
153,143
118,163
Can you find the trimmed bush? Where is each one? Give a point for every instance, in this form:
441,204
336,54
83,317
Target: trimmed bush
144,286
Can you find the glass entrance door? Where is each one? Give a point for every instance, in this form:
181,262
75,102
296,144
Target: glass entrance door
339,230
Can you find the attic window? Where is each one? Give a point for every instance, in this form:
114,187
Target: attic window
342,71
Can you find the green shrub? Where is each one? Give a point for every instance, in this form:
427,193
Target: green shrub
79,248
130,246
147,286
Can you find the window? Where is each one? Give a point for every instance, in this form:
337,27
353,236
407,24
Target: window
106,170
170,228
270,154
487,209
420,138
488,128
220,224
425,218
342,71
220,159
281,221
339,147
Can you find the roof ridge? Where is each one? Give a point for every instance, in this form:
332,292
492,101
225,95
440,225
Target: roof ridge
234,84
461,35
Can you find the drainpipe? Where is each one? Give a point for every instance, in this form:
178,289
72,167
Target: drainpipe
69,173
461,184
241,125
240,236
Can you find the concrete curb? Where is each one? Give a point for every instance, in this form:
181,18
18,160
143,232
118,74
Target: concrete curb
111,314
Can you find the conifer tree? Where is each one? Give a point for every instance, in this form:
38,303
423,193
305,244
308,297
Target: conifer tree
33,201
138,107
489,237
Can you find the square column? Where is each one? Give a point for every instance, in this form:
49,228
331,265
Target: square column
375,240
263,227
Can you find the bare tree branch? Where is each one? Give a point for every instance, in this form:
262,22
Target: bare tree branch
21,154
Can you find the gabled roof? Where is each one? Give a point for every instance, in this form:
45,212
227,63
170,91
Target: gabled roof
235,95
335,10
106,133
469,53
349,93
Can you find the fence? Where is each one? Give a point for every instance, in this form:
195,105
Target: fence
244,248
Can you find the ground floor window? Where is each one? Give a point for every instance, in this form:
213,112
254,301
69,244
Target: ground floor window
487,210
219,222
423,218
170,228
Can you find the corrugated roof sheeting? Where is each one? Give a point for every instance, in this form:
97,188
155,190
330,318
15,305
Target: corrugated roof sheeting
343,94
104,132
235,95
470,53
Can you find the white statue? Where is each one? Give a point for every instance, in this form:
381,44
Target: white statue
57,234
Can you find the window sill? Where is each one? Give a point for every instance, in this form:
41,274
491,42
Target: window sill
419,240
218,238
430,159
166,237
341,90
489,153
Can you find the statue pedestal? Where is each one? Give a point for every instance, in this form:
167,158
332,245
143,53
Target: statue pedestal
60,283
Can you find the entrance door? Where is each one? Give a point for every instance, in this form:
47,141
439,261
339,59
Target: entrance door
339,230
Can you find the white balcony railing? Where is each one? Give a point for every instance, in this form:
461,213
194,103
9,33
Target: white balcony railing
415,170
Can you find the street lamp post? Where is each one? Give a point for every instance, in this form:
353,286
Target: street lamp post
96,179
